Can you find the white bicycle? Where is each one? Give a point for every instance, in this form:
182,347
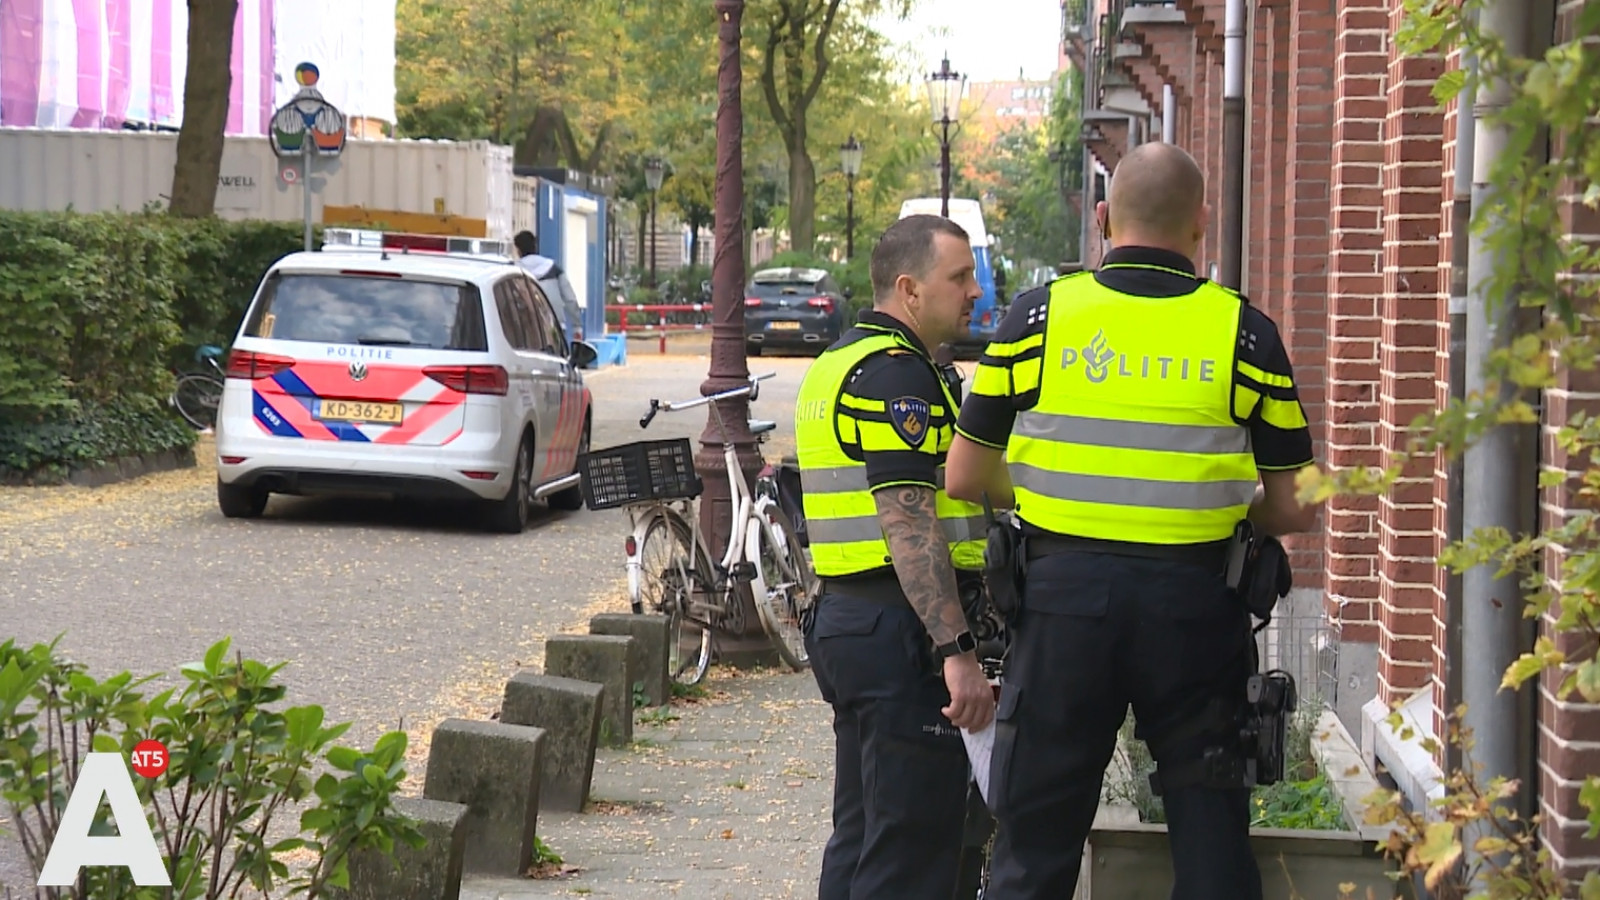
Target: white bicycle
670,571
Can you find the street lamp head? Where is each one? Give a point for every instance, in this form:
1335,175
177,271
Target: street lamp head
944,93
850,157
652,173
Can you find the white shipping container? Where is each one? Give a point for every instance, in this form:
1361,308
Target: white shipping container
95,171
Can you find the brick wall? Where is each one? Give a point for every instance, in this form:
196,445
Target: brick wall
1569,730
1355,282
1407,548
1351,185
1309,72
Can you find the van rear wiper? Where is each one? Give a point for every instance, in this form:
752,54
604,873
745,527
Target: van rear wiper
384,342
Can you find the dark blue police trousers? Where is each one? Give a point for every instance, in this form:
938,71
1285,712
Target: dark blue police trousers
1096,633
900,772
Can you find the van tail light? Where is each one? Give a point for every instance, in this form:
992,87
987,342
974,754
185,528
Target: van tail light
823,303
752,301
252,366
471,379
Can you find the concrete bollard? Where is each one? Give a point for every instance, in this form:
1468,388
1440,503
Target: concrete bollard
648,656
494,769
568,712
601,659
429,872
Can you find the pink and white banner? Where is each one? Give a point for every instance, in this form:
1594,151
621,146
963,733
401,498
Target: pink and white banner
99,63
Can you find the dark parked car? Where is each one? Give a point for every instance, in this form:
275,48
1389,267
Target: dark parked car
792,309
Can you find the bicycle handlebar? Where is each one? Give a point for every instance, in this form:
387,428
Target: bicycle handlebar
752,389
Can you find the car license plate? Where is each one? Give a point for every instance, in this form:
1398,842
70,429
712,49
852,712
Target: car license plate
784,326
359,411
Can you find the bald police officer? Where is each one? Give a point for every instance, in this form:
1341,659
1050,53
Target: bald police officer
889,643
1132,416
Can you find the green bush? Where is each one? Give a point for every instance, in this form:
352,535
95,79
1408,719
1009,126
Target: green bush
238,764
98,310
223,264
134,425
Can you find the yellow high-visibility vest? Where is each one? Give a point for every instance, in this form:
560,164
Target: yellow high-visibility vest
1133,437
841,515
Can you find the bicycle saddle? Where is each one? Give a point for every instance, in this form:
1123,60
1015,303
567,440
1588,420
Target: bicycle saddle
208,351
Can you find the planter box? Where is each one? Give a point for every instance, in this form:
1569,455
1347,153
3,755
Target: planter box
1129,860
1132,862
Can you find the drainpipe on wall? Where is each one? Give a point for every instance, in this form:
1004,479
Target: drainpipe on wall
1495,473
1233,150
1455,502
1169,115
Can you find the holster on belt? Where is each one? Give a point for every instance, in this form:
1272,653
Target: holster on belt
1005,563
1258,570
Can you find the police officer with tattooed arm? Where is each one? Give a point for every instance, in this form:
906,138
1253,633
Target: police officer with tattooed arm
889,642
1143,423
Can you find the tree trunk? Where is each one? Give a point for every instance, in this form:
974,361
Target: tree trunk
802,193
206,83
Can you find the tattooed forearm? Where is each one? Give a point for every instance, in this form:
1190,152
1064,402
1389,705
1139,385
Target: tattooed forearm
922,559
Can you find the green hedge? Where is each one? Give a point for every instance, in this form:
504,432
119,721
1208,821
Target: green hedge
95,313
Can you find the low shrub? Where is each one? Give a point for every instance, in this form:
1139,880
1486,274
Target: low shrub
237,766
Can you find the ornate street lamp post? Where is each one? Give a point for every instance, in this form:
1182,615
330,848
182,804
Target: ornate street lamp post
850,162
652,179
944,96
728,366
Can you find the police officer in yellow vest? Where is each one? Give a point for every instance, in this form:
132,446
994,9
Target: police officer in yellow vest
1131,416
889,643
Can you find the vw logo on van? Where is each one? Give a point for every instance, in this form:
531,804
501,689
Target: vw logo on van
358,371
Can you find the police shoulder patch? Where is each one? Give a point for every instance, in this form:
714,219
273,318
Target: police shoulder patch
909,416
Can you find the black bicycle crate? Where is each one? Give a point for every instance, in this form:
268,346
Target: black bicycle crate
639,472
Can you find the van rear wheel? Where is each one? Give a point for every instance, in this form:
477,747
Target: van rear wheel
240,502
509,514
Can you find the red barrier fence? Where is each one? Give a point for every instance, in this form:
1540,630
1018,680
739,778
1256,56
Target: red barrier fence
701,312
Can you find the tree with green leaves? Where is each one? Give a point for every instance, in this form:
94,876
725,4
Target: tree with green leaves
543,75
799,41
1036,174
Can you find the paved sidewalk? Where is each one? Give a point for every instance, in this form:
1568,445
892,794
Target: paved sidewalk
732,800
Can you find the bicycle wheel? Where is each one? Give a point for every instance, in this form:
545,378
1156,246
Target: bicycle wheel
197,397
670,575
784,585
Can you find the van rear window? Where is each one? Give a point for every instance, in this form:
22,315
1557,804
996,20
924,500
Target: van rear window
371,310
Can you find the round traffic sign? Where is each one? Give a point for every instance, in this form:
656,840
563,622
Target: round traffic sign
289,172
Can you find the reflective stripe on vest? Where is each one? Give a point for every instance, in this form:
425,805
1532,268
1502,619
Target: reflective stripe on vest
958,522
841,513
1133,437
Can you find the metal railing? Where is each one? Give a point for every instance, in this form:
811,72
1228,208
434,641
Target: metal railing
670,318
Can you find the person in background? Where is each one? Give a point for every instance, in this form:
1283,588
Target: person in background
553,281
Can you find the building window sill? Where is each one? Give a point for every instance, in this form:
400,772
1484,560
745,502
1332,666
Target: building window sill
1405,760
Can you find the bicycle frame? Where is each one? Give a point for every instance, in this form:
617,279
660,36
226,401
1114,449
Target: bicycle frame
745,504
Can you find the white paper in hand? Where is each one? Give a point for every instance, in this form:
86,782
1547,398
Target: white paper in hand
980,745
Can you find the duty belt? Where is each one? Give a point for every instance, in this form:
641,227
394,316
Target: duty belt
1213,555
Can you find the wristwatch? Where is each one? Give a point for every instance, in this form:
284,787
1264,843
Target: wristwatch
964,643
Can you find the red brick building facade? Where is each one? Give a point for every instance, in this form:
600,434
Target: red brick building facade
1349,246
